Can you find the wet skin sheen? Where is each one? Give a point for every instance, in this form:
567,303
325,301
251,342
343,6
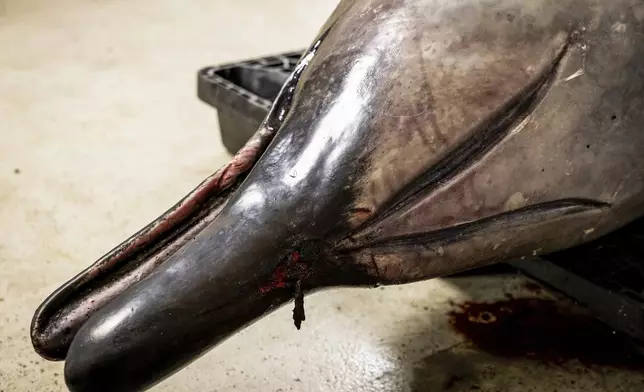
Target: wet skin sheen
415,139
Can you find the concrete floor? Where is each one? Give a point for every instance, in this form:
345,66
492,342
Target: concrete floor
101,131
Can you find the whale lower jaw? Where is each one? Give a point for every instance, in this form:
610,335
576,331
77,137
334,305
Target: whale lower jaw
527,231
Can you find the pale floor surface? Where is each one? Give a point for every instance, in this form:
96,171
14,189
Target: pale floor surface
101,131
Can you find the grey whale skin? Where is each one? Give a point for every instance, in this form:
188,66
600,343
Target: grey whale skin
415,139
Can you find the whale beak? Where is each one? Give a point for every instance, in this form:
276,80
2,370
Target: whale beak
237,269
223,257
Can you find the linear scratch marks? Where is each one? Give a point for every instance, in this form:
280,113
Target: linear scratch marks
417,111
430,95
483,139
577,74
621,185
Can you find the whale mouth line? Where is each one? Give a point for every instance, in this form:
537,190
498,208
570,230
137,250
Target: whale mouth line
131,261
541,211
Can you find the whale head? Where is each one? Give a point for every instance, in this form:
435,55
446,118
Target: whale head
414,139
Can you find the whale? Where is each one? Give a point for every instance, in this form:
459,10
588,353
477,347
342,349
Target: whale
414,139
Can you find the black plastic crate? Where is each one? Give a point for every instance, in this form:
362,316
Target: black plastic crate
605,276
243,93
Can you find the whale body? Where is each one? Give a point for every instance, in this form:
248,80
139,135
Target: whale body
415,139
